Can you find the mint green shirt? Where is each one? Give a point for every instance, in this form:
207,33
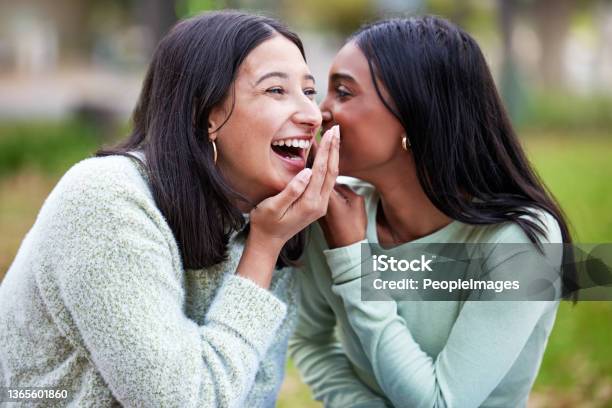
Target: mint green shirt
417,353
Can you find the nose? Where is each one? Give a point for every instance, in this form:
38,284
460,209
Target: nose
326,116
308,114
326,112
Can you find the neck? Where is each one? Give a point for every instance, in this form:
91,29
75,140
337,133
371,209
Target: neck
407,211
242,206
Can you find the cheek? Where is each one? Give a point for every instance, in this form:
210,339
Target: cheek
358,127
368,137
242,146
247,152
249,134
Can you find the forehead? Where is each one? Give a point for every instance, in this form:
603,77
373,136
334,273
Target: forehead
274,54
350,60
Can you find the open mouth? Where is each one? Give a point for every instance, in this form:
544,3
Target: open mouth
291,149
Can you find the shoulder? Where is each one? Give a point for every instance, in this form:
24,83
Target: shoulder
103,182
103,206
511,232
104,174
98,190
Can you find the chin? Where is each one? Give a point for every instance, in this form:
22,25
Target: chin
284,175
283,181
350,167
277,185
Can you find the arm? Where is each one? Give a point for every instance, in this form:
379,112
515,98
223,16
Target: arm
318,355
484,343
120,282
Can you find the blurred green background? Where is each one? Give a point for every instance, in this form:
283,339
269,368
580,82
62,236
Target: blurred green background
70,73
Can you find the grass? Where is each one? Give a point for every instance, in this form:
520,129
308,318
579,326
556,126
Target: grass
577,169
577,366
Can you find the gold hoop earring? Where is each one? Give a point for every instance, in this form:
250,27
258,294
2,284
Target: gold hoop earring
406,143
214,145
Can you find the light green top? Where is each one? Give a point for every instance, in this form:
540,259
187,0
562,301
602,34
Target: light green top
417,353
97,302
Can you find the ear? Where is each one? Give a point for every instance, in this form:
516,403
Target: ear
212,135
216,118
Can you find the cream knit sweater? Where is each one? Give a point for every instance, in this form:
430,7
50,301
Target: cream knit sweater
98,303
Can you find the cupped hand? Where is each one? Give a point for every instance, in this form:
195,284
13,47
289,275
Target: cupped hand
304,200
345,222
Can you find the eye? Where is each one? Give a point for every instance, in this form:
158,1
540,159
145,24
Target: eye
277,90
342,92
310,92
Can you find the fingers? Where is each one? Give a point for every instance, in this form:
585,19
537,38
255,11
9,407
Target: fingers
343,199
292,192
332,165
312,153
319,167
345,191
337,204
340,198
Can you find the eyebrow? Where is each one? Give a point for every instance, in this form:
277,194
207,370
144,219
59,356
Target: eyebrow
339,76
280,75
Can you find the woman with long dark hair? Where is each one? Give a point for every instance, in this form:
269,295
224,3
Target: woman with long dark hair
424,130
155,274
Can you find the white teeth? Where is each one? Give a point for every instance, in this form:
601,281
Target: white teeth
302,144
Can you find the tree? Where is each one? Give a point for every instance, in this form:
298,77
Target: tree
553,19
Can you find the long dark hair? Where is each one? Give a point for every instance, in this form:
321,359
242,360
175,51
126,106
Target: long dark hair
467,156
192,70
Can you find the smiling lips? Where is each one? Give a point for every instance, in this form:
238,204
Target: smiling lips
292,148
292,151
301,143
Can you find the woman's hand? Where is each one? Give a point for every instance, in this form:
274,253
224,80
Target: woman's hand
276,219
345,222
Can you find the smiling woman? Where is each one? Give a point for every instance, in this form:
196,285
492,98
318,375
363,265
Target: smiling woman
272,102
155,273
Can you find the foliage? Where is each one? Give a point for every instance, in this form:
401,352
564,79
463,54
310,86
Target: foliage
562,110
48,147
